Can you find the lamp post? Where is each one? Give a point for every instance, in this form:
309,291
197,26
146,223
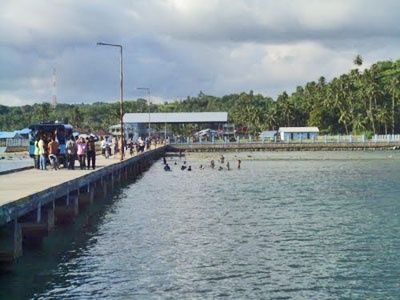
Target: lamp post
121,103
148,94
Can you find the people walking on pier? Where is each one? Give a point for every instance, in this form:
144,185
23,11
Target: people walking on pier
147,143
71,152
114,146
228,166
81,145
42,153
105,146
91,152
53,151
141,144
239,162
130,146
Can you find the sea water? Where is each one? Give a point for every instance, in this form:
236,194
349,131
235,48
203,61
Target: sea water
11,161
288,225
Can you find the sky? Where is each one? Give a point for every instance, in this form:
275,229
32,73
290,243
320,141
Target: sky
177,48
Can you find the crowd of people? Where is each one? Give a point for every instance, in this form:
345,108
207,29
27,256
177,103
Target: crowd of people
83,150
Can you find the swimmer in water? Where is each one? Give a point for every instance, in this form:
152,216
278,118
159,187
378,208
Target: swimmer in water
212,164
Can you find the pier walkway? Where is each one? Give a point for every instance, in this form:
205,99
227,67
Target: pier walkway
18,185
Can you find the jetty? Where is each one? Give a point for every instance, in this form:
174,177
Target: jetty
33,202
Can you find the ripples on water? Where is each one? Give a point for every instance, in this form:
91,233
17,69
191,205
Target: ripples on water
308,227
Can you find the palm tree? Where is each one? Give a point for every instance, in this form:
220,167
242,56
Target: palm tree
393,89
285,107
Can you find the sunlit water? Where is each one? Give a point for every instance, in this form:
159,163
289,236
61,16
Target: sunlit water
291,225
12,161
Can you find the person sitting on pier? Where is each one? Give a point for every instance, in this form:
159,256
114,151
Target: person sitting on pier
167,168
190,168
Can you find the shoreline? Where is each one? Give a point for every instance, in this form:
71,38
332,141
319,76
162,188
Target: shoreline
283,146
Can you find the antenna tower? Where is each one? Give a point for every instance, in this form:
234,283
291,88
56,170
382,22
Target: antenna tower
54,90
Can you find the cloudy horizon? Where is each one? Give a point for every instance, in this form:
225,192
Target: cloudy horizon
178,48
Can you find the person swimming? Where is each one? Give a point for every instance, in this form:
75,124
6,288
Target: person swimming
212,164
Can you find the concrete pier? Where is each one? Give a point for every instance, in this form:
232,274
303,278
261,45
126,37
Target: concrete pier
33,202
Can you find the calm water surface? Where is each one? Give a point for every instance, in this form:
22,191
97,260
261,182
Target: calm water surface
285,226
10,161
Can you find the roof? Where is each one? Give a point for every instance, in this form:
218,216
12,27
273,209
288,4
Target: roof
298,129
194,117
23,131
9,135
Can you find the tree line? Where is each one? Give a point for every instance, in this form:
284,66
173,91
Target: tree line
358,102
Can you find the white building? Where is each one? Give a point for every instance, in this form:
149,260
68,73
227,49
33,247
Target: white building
298,133
141,124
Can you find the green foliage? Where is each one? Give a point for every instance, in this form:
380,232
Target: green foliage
358,102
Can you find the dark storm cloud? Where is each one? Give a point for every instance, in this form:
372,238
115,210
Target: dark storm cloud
179,47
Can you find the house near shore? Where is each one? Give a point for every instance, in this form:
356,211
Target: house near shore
14,140
298,133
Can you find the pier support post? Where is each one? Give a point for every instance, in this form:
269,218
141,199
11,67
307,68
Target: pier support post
104,185
11,241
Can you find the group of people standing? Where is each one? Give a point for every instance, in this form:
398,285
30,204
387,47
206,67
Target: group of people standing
108,146
46,149
84,151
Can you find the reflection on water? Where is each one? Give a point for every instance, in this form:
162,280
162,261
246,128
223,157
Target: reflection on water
312,226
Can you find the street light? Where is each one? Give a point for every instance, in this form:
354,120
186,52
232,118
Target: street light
148,93
121,103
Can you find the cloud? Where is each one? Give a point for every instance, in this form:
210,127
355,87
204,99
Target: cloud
179,47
